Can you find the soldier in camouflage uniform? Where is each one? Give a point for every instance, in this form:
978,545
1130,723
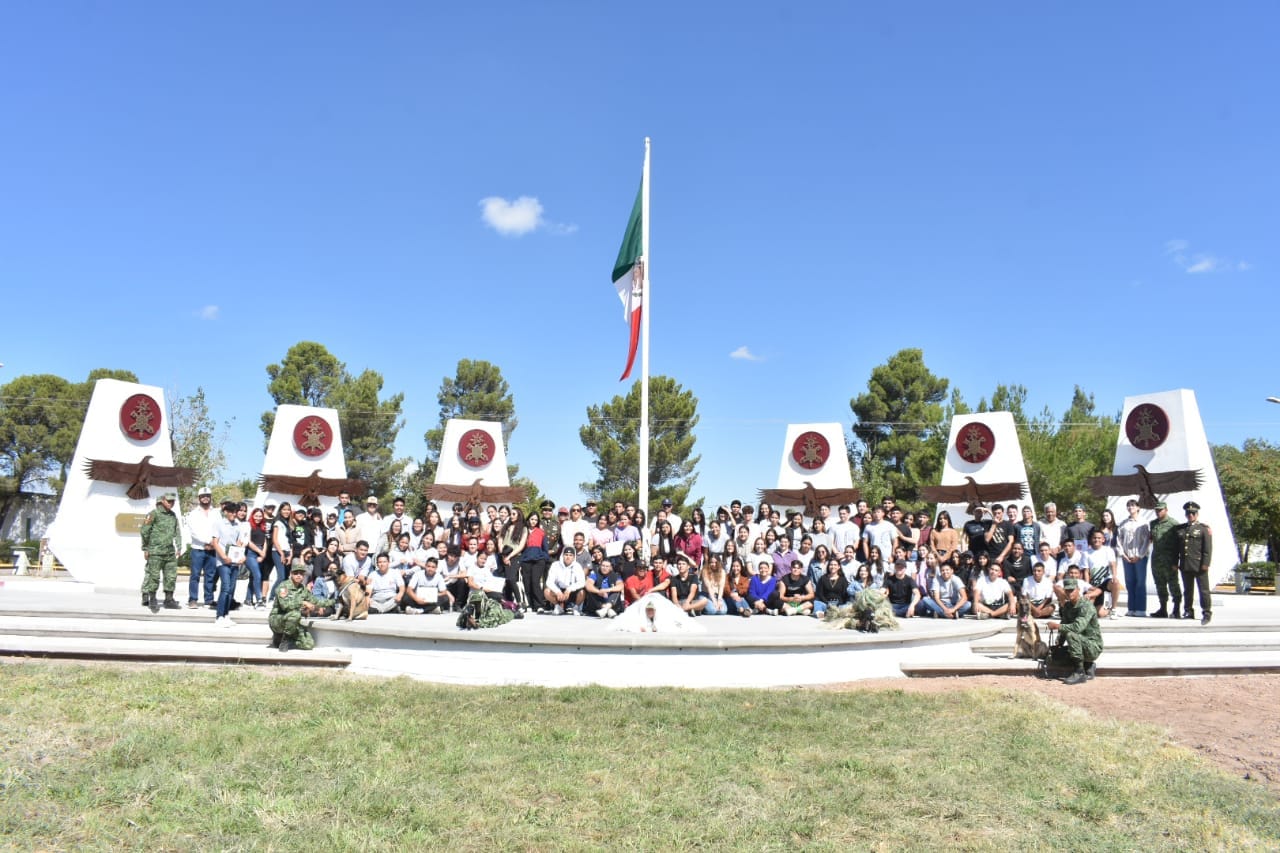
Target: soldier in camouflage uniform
160,543
1081,634
1195,551
290,603
1164,561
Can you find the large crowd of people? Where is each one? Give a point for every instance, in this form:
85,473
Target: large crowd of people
742,560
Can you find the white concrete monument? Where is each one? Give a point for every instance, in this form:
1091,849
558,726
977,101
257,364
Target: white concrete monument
1163,432
983,446
814,453
470,451
95,534
304,440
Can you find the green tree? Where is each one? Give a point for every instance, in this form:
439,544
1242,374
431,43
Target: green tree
1062,454
1250,478
198,441
309,375
893,423
612,434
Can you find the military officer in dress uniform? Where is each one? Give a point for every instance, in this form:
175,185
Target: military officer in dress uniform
550,526
1195,550
160,545
1164,561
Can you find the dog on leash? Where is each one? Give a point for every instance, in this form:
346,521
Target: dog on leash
353,601
1028,644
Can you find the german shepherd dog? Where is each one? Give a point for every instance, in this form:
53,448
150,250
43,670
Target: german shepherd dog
353,602
1028,645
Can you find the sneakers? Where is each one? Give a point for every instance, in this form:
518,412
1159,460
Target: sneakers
223,622
413,611
1204,620
559,611
769,611
981,616
193,605
610,613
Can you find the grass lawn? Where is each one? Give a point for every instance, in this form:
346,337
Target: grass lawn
184,758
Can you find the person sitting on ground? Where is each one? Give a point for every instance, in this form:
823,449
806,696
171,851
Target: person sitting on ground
992,597
1017,566
427,590
685,590
1102,573
290,603
833,587
948,598
1039,593
1069,557
900,588
762,592
566,584
795,592
1080,634
715,587
638,585
386,588
737,585
604,589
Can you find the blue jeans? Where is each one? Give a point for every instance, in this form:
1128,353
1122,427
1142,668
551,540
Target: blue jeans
1135,585
254,592
202,563
900,610
281,564
226,587
932,608
712,609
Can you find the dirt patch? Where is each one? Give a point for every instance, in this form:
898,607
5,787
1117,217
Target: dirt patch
1232,720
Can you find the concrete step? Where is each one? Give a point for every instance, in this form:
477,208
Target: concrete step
1109,665
1190,640
212,652
158,630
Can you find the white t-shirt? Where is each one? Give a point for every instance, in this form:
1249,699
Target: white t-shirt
990,591
844,533
884,536
1037,591
383,588
1100,562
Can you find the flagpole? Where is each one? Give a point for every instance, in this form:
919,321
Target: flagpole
644,337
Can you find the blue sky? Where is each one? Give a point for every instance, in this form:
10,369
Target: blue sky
1044,194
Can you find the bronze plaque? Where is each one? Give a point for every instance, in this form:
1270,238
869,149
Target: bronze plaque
129,523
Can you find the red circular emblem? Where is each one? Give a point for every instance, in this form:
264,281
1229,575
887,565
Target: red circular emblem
810,451
312,436
1147,426
475,448
140,417
976,442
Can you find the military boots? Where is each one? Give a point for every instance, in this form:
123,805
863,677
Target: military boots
1080,676
170,603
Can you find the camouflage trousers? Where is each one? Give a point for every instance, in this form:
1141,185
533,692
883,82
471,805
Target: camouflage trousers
291,625
1080,650
1167,583
492,614
162,573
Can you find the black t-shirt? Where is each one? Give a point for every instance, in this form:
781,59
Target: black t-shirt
1004,533
793,587
1016,570
900,588
976,531
833,590
681,586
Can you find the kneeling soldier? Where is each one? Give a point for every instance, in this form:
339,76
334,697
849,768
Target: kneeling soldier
291,602
1081,635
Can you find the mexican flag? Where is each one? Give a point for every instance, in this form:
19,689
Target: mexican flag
628,276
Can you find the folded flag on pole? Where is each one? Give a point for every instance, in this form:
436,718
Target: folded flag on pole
628,277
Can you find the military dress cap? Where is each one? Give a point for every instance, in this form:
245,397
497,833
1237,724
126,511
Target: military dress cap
1070,584
547,504
1161,505
1191,506
168,497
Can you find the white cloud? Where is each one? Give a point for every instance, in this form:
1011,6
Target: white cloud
209,312
744,354
518,217
1201,262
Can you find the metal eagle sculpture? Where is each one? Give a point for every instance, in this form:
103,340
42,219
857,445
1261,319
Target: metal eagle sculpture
140,476
1146,485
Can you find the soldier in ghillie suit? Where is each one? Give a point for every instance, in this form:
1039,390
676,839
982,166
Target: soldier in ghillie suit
160,545
1081,637
291,602
1164,562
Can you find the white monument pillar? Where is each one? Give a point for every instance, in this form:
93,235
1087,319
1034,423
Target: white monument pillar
303,439
472,450
983,446
1163,432
95,534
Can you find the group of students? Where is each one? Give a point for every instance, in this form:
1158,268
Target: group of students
743,561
